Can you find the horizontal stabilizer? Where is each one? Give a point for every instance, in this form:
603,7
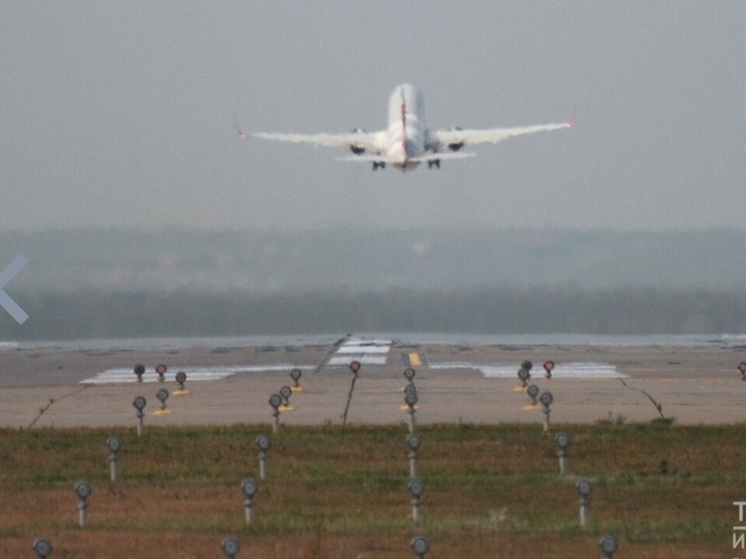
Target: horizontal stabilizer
367,158
443,156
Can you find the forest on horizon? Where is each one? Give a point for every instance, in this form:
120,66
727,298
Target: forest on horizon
95,314
108,283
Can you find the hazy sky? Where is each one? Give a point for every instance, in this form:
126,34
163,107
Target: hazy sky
121,113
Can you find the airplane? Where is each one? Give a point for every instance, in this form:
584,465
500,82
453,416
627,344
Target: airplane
407,142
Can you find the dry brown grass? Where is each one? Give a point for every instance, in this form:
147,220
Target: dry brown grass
492,491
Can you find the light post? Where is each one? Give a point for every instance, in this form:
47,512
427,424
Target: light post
114,445
83,491
275,401
140,402
563,441
230,546
413,442
546,400
263,443
416,489
584,488
249,488
42,547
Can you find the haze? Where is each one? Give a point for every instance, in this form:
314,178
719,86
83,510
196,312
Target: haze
121,114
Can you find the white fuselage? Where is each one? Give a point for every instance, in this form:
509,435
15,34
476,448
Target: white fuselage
406,130
406,142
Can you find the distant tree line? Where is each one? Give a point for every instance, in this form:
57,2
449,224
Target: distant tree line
94,314
372,260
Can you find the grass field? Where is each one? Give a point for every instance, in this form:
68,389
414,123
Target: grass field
341,492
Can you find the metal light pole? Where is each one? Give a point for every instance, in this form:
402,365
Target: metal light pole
263,443
140,402
114,445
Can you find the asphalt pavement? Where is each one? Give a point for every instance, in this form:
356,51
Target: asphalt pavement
468,384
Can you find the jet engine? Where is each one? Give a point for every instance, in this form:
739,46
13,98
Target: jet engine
457,146
357,150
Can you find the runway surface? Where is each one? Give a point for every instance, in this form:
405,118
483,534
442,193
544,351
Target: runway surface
52,387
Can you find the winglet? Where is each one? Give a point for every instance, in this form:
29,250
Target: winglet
241,133
571,122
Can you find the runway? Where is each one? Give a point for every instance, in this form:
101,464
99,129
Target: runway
470,383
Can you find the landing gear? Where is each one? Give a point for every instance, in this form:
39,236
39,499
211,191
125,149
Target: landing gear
377,164
433,163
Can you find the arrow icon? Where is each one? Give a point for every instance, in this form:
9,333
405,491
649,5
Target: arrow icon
5,301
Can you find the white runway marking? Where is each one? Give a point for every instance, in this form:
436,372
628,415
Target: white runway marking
127,375
366,352
578,369
363,348
362,359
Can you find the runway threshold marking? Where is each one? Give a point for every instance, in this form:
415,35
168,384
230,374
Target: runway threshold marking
126,375
575,369
366,352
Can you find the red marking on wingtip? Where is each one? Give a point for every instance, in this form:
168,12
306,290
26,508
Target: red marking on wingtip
241,133
571,122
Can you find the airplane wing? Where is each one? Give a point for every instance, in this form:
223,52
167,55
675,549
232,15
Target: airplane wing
373,141
494,135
